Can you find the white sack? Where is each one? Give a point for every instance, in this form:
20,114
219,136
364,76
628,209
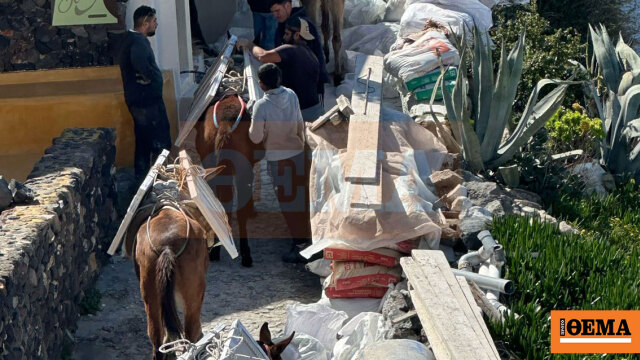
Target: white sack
417,15
363,12
480,13
421,57
395,9
316,320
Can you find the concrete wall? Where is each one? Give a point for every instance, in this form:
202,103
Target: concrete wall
51,252
38,105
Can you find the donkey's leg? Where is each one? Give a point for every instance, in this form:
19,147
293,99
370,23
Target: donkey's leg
326,31
337,18
193,295
152,305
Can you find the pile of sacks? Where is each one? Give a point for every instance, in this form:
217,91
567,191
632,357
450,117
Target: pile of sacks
410,34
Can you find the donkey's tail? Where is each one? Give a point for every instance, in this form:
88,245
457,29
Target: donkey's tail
165,282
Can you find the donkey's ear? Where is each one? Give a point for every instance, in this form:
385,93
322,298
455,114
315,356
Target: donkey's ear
277,349
213,172
265,334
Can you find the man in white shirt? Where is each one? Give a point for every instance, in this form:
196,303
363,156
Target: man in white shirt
277,122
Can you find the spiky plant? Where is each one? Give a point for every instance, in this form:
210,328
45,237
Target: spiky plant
617,101
480,132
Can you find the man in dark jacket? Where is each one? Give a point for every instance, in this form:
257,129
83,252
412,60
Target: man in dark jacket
264,24
142,82
283,10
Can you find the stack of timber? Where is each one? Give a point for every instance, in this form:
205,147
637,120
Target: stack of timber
447,309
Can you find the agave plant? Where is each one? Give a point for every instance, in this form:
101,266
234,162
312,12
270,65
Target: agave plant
480,131
618,102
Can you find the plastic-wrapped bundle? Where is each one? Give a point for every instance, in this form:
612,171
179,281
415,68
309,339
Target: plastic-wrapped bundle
421,57
480,13
363,12
416,15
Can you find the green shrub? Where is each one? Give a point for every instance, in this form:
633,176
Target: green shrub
552,271
617,15
572,129
548,50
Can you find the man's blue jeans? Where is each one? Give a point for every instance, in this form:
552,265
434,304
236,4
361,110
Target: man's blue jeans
264,27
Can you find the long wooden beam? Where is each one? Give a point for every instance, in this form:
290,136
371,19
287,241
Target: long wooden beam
206,91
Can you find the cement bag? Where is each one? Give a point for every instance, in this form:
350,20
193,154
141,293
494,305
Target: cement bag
320,267
397,349
421,57
480,13
363,12
369,329
380,256
354,274
395,9
316,320
409,155
418,14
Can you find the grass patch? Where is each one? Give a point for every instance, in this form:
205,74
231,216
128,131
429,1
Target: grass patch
560,272
616,216
90,303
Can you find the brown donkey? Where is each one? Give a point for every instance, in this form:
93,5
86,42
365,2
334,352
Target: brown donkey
330,10
229,141
171,266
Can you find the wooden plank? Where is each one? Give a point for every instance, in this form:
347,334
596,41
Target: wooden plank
477,311
364,125
367,196
444,310
251,74
203,96
478,326
209,205
324,118
343,106
483,302
133,206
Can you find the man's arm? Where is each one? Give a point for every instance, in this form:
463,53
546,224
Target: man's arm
141,61
265,56
256,130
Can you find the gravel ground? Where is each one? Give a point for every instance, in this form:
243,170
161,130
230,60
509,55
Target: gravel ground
253,295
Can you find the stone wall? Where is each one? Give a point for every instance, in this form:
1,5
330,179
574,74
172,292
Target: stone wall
52,250
29,42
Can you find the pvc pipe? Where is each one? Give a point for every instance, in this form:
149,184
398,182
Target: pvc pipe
487,282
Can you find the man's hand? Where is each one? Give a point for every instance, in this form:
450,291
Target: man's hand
242,44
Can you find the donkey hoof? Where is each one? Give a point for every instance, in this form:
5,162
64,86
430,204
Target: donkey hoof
247,261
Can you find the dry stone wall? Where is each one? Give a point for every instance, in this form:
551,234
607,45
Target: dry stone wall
29,42
52,250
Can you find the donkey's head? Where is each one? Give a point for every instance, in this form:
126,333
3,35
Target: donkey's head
274,351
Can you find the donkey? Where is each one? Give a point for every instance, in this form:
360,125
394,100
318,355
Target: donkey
331,10
171,264
230,142
273,351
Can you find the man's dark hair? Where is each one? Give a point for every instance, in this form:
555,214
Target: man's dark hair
293,24
270,75
141,14
280,2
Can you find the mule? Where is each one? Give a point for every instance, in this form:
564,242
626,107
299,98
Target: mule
273,351
171,266
332,13
229,141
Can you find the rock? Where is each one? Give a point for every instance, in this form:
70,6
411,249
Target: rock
445,181
526,203
452,161
461,203
481,193
458,191
469,176
476,211
470,228
496,208
5,194
80,31
521,194
593,177
566,228
21,194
